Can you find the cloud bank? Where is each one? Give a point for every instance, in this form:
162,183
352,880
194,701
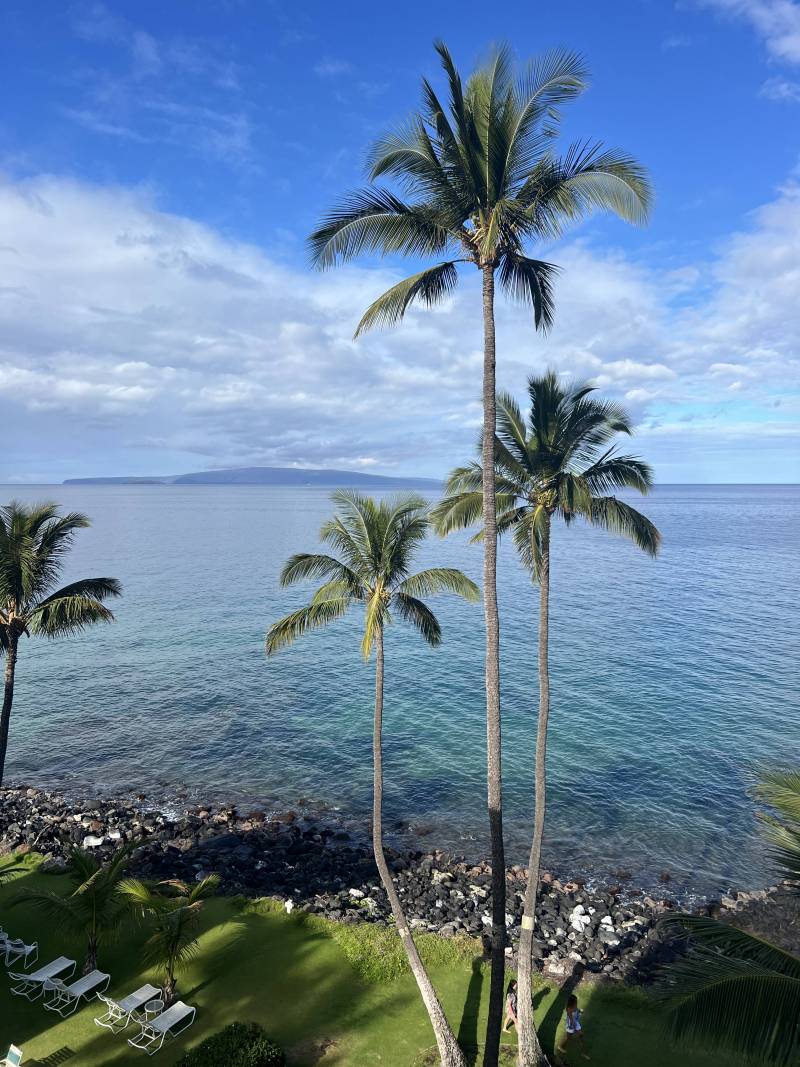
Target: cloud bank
136,341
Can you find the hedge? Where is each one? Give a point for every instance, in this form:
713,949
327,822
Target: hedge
238,1045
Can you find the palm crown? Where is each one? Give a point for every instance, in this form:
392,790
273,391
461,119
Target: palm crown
173,909
561,462
95,906
375,541
479,179
33,543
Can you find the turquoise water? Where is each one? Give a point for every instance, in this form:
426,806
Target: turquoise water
672,679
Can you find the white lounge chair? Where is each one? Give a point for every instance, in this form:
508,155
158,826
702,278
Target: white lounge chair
14,1057
177,1018
119,1013
18,950
64,999
31,985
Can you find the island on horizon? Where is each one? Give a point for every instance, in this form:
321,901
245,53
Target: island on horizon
282,476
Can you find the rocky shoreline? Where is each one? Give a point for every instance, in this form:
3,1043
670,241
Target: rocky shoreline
314,865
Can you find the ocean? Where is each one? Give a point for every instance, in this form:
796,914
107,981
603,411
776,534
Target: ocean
673,680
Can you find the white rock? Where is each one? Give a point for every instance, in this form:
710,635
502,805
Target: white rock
356,894
92,842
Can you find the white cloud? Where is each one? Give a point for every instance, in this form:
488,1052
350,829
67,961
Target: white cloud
136,341
332,68
781,89
777,22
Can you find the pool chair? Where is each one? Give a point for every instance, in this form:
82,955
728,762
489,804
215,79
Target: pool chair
14,1057
64,999
119,1013
31,985
17,950
177,1018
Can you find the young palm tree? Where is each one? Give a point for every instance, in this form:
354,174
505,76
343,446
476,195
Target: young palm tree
479,179
734,991
375,542
558,465
174,909
34,539
95,906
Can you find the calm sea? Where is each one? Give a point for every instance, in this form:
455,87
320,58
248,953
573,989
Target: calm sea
673,680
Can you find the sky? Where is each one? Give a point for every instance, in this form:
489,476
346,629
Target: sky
161,166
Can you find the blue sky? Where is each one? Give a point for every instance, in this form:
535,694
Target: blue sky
161,165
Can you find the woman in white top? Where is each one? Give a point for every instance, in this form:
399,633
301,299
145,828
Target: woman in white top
573,1030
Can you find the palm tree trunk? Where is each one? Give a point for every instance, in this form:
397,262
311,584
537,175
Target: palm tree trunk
8,699
494,780
530,1051
449,1051
91,955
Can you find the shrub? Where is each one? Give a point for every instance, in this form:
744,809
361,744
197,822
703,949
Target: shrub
238,1045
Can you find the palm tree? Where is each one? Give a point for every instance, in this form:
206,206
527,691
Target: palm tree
561,464
735,991
479,179
34,540
375,542
95,906
173,907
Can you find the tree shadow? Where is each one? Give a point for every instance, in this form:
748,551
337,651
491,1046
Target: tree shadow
549,1026
61,1055
468,1027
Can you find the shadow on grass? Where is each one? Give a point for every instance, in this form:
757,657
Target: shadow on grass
254,963
468,1029
548,1029
55,1058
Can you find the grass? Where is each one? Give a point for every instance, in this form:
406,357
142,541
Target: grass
330,994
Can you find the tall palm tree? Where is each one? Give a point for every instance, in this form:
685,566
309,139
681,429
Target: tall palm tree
34,540
173,908
560,464
376,542
94,908
479,179
735,991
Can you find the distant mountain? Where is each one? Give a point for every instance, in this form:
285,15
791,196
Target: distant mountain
287,476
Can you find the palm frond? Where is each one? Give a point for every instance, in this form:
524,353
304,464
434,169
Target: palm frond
374,220
587,178
312,617
780,788
530,281
420,616
439,580
549,82
305,565
618,472
74,607
457,512
530,528
735,992
430,286
376,616
620,518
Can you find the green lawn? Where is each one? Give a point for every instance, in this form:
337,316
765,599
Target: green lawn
304,982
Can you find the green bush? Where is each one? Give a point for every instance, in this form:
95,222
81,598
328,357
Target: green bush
238,1045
